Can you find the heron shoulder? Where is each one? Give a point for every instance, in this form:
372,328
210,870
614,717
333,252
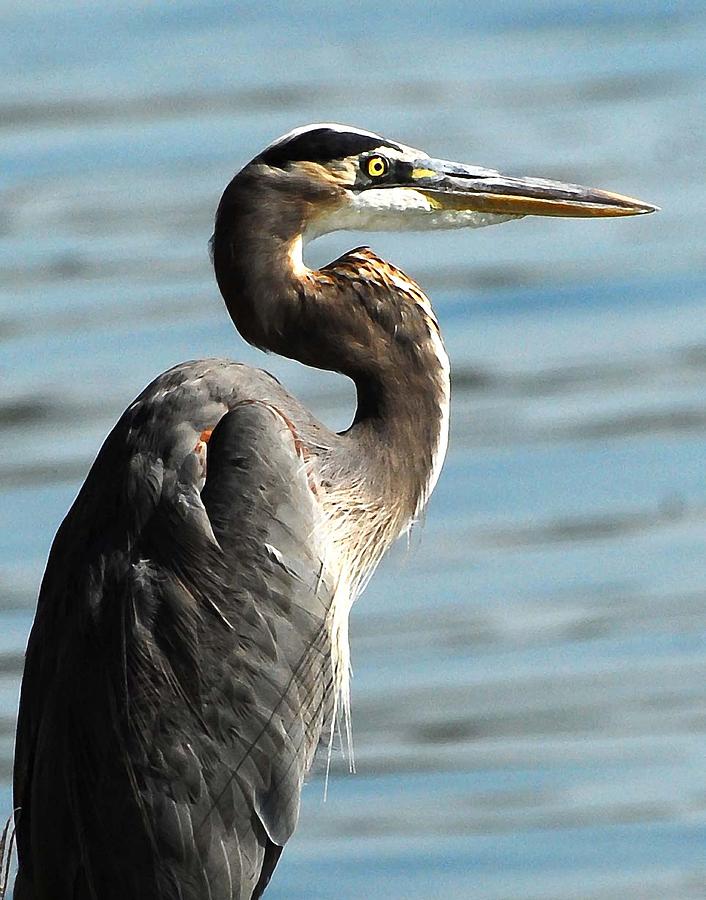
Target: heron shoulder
199,608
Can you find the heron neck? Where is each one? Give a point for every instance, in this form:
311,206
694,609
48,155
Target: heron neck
359,316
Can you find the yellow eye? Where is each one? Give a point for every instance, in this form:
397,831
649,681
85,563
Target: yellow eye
377,166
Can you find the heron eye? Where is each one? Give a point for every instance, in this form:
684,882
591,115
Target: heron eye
377,166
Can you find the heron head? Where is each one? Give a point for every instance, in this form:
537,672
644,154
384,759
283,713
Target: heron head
357,180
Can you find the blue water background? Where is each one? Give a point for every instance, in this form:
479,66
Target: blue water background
530,671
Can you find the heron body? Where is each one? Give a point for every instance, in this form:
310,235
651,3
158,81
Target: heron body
190,647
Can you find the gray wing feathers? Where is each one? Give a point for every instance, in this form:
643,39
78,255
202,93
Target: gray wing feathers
190,695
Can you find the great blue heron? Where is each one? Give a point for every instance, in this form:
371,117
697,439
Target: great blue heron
190,647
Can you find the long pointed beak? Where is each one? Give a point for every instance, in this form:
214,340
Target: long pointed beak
453,186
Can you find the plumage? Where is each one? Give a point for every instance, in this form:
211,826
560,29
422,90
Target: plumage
180,586
190,646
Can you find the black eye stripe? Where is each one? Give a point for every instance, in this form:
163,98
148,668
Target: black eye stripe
321,145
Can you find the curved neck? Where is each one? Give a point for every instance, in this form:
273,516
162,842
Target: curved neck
359,316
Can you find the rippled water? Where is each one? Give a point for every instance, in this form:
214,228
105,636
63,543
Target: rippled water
529,700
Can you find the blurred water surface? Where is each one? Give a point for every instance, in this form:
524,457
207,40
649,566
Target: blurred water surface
529,691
